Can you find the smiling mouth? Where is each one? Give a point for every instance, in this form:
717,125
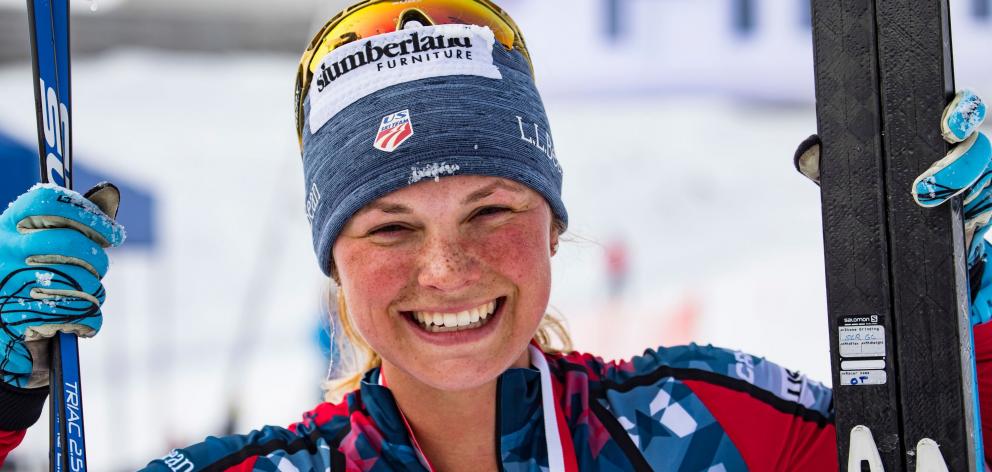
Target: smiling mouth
435,322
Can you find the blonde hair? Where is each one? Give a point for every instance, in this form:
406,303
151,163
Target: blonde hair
357,357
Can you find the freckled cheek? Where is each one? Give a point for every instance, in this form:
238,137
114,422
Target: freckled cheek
374,277
520,252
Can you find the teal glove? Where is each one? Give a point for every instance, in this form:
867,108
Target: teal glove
966,170
52,259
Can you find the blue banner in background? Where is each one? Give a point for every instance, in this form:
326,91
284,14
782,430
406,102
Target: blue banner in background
19,171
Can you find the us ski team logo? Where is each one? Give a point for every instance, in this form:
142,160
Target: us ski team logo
394,130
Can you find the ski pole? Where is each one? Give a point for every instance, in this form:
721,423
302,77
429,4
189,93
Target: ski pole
49,25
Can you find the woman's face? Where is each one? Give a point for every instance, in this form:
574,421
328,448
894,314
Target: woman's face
447,280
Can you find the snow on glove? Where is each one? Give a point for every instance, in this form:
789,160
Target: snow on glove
52,260
965,170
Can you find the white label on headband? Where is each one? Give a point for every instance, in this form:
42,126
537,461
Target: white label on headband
361,68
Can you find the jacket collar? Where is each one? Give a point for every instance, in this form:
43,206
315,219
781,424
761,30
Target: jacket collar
518,409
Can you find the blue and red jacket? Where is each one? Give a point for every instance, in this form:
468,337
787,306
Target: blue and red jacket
688,408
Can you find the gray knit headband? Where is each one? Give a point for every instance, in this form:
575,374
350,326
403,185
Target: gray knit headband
391,110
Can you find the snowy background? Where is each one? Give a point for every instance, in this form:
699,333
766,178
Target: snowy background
675,121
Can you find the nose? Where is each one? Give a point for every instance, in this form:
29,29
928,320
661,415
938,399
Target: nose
446,265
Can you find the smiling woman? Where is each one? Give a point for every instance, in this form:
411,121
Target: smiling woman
435,197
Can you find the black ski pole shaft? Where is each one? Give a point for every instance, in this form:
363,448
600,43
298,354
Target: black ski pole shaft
897,295
49,26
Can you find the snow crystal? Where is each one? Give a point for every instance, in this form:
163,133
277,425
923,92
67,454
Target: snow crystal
970,109
44,278
971,112
432,171
50,186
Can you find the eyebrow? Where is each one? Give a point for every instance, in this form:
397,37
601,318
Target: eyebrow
385,207
398,209
490,189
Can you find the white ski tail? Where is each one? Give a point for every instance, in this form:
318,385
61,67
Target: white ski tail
863,449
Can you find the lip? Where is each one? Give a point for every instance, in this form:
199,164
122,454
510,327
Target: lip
459,337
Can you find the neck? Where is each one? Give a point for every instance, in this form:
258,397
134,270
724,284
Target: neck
456,430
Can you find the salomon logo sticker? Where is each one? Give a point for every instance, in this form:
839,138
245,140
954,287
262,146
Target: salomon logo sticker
394,130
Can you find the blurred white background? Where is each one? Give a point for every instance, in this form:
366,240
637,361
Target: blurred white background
675,121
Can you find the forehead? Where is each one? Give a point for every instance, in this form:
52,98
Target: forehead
458,189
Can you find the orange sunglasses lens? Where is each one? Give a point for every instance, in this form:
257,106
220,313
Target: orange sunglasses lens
384,17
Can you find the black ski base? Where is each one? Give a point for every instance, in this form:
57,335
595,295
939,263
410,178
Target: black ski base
897,286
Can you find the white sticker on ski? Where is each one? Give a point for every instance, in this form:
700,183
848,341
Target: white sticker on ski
862,377
862,341
861,347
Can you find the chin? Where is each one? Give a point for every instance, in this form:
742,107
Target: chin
463,374
464,369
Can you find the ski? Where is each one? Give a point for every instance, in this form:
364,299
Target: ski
902,358
49,25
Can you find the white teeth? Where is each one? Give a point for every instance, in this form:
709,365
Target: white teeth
468,319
